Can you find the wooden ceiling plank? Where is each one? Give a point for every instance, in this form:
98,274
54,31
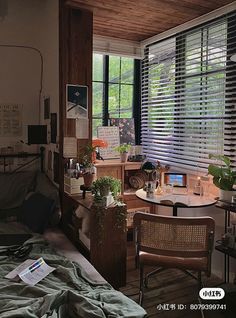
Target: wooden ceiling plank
140,19
131,25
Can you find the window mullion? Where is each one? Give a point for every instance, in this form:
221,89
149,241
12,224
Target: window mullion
106,91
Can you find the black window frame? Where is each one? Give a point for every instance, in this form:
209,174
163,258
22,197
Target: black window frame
136,98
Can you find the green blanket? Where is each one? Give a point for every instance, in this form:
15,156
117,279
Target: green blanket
66,292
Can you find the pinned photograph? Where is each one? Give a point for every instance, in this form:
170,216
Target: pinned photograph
76,101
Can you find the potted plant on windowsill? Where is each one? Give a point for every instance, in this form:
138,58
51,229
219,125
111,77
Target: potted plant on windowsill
224,177
123,149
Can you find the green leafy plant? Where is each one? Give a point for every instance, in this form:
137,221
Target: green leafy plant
123,148
223,176
85,157
120,219
103,185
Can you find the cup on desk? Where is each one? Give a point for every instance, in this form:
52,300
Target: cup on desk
150,189
204,186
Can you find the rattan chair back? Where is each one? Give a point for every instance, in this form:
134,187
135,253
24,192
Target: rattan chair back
174,236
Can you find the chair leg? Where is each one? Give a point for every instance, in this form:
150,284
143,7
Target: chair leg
200,285
155,271
140,284
199,278
136,262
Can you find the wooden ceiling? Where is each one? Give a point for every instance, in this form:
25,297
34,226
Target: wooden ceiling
138,20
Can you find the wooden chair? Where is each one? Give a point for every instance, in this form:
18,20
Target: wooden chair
173,242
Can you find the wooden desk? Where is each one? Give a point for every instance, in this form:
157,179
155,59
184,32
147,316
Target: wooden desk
189,200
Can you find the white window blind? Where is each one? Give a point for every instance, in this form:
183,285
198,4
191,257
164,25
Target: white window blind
120,47
189,96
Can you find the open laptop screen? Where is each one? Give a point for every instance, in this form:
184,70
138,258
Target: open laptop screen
175,179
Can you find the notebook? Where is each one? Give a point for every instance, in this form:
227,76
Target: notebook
13,239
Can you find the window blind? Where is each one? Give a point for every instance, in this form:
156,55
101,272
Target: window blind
189,96
120,47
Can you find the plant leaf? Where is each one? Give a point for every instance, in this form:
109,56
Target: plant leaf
214,170
225,159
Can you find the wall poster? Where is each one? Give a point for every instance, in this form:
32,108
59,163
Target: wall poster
11,120
76,101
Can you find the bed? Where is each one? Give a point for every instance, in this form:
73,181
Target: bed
74,289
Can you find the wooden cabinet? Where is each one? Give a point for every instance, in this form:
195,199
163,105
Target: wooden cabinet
119,170
113,171
105,230
108,246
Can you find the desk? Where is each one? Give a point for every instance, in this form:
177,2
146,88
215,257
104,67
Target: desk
188,200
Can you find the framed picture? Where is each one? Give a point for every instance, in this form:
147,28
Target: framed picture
46,107
126,128
76,101
53,128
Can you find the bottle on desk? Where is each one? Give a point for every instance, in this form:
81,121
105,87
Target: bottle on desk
198,188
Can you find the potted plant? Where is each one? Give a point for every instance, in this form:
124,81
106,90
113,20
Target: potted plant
88,168
123,149
104,186
224,177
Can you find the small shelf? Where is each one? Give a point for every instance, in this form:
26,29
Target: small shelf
226,205
226,250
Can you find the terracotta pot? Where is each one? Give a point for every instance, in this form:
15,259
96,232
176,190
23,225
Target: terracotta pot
88,179
124,156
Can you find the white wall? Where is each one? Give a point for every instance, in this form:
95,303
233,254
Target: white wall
31,23
49,44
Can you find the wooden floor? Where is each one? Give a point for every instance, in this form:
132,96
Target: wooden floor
171,287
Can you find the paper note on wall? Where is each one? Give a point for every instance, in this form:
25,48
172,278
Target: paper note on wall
70,147
112,136
10,120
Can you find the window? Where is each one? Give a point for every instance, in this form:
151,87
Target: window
113,88
188,104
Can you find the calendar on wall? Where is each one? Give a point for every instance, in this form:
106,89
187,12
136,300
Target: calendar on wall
10,120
